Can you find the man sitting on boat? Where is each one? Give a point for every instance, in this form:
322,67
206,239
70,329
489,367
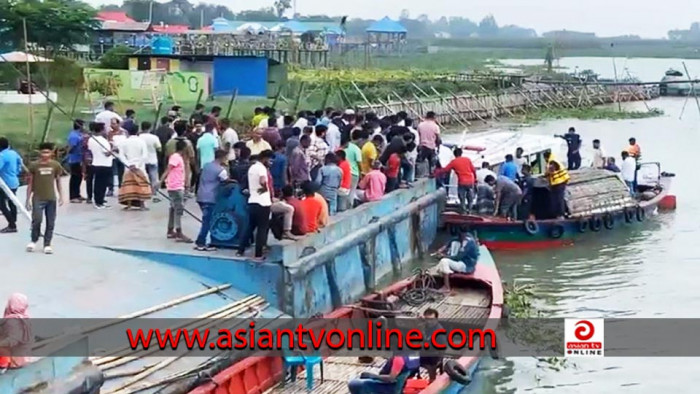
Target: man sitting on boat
507,196
462,255
394,372
558,177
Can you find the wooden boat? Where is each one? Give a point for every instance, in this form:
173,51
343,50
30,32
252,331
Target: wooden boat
597,201
475,296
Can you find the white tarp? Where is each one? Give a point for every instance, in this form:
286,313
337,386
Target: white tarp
22,57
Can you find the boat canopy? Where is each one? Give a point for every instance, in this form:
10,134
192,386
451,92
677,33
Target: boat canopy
493,147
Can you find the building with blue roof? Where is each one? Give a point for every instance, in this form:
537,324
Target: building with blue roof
386,35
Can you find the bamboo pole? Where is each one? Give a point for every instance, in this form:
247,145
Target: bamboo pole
388,108
75,103
495,100
140,313
29,79
236,311
482,105
298,98
112,354
692,87
234,95
354,85
47,125
407,105
455,114
466,104
158,109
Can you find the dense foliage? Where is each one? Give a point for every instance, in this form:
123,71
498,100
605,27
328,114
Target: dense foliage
51,24
116,58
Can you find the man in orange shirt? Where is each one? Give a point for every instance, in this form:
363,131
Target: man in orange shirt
466,179
311,207
344,198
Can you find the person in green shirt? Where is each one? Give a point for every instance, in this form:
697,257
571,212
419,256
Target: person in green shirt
353,155
41,195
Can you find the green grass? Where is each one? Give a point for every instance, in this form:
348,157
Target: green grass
602,113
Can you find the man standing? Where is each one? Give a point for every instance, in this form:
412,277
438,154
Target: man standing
298,162
429,133
41,195
188,155
129,120
526,183
318,150
207,144
509,169
507,196
259,203
10,167
164,132
483,172
175,177
353,154
101,164
634,150
558,178
599,160
228,138
198,116
573,142
75,161
135,189
333,136
466,179
257,144
370,153
628,170
329,178
213,175
519,159
154,148
105,117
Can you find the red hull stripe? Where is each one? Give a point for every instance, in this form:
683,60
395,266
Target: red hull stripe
529,245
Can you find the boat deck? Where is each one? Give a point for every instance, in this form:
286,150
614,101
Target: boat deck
461,304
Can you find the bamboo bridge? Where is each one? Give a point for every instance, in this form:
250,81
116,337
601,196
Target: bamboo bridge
462,108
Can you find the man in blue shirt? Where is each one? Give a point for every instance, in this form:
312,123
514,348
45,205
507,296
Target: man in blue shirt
10,167
459,256
278,168
75,160
509,169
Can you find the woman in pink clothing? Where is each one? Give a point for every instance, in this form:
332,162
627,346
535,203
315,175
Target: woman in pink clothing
16,337
373,184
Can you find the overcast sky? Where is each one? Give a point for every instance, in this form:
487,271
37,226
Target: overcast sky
647,18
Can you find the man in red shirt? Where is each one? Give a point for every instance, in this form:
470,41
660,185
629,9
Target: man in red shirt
345,182
466,179
298,219
393,165
312,208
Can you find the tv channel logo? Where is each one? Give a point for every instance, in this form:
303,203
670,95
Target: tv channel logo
584,337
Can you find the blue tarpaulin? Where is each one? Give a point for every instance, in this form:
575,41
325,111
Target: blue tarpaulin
386,25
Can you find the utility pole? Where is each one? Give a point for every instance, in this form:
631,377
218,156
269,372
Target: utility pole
150,12
294,9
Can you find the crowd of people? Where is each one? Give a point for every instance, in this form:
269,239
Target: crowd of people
294,171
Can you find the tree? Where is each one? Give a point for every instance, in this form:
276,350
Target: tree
488,27
281,6
116,58
51,24
405,14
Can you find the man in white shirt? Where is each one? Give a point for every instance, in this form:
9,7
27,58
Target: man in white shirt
333,137
135,188
259,203
105,117
102,158
228,138
599,158
483,172
519,160
154,147
628,170
301,121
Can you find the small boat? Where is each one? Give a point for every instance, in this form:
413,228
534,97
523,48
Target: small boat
477,297
597,201
673,84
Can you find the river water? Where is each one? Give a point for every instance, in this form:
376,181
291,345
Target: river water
651,271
